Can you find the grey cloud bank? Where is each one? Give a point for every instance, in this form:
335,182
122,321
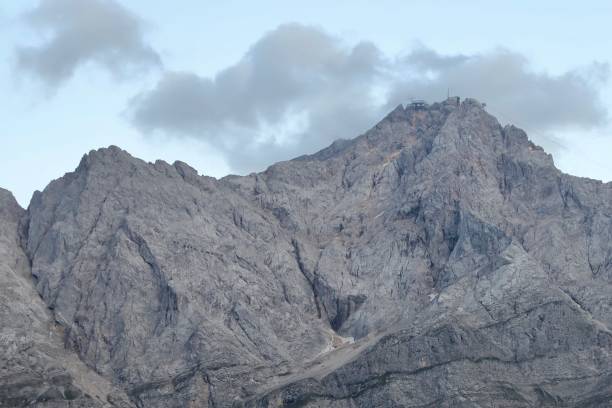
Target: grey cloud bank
505,80
295,88
77,32
298,88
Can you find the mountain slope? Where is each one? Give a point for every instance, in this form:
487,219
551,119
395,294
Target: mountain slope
35,370
467,268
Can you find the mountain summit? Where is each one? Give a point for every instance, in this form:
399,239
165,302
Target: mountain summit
438,260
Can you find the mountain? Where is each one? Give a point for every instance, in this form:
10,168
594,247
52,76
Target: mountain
35,367
438,260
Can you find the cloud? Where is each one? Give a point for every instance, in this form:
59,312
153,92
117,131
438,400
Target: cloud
538,101
297,89
84,31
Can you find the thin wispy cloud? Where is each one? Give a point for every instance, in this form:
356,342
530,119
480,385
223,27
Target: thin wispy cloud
77,32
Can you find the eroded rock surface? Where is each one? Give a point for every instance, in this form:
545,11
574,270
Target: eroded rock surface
468,270
35,368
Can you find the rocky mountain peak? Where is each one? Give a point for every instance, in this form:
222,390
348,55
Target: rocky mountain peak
9,208
108,159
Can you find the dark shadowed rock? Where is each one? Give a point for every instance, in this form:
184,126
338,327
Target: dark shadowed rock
468,270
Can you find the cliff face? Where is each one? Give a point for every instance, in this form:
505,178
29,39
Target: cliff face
465,266
35,368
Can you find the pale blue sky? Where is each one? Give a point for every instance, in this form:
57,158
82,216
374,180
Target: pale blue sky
48,126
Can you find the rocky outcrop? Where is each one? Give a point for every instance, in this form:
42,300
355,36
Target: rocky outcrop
466,268
35,368
174,285
507,339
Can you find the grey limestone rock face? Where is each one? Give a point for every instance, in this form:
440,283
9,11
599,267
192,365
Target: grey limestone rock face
35,368
439,259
